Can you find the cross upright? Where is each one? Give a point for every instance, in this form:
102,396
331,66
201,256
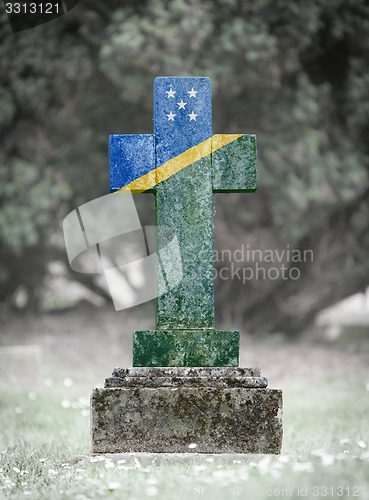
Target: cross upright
183,164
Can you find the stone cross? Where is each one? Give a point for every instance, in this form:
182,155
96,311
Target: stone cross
183,164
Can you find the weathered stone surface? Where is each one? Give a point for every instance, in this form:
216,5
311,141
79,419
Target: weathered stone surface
217,420
187,377
198,371
186,348
252,382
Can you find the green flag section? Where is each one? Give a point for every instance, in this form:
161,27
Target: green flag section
234,164
233,159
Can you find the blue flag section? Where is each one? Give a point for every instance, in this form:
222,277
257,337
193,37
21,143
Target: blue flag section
131,156
182,114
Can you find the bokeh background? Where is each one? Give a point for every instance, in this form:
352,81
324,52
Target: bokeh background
294,73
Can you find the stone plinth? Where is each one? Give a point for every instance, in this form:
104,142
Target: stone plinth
205,347
221,410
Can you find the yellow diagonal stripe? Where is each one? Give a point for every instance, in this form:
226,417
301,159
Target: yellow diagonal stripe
160,174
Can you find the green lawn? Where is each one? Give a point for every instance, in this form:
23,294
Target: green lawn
325,451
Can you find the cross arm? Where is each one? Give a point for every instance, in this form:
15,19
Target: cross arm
131,157
234,165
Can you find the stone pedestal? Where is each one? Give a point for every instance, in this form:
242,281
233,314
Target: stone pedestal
187,347
220,410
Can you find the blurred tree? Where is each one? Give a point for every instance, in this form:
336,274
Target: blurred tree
296,74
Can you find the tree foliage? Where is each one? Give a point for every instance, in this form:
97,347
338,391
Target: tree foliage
294,73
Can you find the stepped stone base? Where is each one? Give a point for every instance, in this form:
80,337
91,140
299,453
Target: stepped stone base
165,410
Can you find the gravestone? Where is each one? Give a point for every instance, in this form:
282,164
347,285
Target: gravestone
185,387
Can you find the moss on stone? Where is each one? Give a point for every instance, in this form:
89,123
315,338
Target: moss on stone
218,420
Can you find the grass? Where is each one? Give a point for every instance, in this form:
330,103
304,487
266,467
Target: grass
325,451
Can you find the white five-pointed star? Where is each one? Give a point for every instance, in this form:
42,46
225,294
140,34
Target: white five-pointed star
170,93
192,92
181,104
171,117
192,116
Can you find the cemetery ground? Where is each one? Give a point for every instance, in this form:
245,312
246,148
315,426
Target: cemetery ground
43,426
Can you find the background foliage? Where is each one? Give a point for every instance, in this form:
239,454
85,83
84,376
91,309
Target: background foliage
296,74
